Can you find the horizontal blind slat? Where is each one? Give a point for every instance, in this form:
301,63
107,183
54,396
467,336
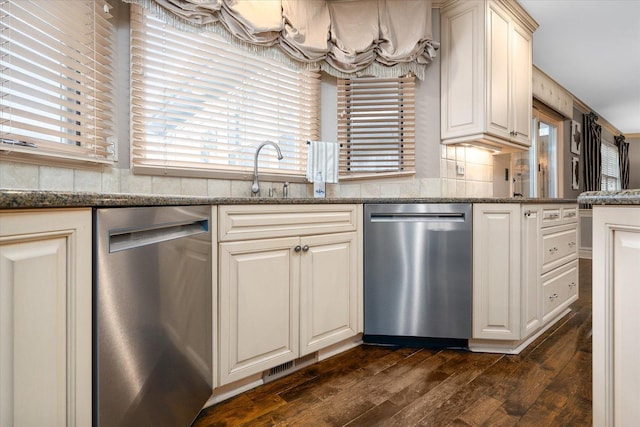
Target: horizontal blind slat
376,126
199,103
56,78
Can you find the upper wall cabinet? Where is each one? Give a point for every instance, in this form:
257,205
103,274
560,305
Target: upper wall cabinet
486,60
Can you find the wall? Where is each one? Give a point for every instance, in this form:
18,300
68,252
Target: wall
436,173
567,172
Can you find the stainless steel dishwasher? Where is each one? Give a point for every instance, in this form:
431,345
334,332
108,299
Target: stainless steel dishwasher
152,315
417,273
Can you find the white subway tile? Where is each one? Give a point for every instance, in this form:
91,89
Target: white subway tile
54,178
18,176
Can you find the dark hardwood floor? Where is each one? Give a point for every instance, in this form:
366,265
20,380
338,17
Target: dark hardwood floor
548,384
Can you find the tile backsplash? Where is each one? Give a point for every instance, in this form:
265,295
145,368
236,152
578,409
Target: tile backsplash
464,172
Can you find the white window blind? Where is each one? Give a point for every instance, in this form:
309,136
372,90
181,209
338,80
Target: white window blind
201,106
55,78
376,126
610,167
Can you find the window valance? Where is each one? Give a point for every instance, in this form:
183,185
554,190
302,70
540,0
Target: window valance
345,38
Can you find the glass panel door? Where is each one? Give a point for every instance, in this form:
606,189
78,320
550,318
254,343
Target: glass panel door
546,150
535,172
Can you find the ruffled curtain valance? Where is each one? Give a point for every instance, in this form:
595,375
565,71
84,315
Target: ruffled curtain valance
385,38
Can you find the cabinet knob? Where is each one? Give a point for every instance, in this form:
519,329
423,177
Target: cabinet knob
553,250
297,248
553,296
527,213
305,248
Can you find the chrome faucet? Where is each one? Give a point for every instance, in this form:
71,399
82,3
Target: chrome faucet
255,188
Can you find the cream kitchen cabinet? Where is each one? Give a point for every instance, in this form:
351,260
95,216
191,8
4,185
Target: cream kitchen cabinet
486,73
616,330
532,315
290,283
525,272
258,306
45,317
496,271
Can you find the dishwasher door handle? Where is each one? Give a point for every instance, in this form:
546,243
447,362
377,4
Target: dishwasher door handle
419,217
125,239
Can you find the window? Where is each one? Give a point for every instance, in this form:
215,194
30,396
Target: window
55,79
610,167
201,106
376,126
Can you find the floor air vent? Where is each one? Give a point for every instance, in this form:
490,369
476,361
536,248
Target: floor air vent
289,367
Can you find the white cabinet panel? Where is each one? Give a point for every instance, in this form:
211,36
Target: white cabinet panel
496,271
329,291
521,84
498,72
45,318
259,283
616,330
531,310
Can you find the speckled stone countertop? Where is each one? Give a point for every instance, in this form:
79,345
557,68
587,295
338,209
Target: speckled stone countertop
25,199
622,197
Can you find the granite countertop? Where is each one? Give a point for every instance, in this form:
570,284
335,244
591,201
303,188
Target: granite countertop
25,199
622,197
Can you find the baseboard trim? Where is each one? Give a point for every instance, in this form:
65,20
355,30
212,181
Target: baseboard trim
585,253
511,347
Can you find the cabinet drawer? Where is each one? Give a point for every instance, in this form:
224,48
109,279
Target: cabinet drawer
559,214
243,222
551,216
559,245
560,288
569,214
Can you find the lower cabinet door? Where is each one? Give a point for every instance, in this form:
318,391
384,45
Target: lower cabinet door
259,291
496,271
45,318
328,290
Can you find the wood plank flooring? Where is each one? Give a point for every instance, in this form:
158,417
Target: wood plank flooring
548,384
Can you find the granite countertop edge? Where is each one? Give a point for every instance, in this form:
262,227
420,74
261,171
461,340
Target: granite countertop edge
27,199
622,197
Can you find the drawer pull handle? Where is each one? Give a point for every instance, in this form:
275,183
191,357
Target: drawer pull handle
297,248
553,216
553,250
570,214
527,213
572,285
305,248
572,244
553,296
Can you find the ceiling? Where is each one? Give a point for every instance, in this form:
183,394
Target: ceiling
592,49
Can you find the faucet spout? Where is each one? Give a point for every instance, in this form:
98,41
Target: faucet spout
255,188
